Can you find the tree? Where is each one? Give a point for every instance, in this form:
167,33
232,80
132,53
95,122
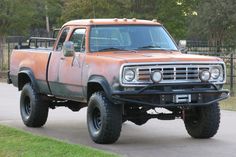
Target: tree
169,12
43,8
172,15
15,16
215,21
14,19
22,17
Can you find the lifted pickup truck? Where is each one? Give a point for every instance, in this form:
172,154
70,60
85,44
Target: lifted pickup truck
122,69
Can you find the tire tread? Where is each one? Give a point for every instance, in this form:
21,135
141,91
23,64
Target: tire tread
39,114
209,124
111,132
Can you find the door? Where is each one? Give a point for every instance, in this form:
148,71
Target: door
69,69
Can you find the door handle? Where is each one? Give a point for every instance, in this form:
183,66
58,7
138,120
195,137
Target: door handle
62,58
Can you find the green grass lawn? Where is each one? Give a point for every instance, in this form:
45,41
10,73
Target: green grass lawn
15,143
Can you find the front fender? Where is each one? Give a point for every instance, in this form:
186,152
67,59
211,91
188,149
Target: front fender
100,80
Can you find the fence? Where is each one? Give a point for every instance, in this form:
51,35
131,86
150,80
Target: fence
207,48
5,51
227,53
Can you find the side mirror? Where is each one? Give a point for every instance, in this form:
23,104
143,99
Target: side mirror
183,46
182,43
68,49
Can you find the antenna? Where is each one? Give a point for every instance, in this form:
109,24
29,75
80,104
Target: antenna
94,12
94,16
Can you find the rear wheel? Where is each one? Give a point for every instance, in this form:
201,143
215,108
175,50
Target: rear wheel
104,119
34,111
203,122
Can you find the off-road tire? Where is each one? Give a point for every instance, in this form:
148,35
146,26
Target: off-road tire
203,122
104,119
34,111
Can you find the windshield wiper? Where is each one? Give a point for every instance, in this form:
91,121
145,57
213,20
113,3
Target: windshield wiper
149,47
112,49
152,47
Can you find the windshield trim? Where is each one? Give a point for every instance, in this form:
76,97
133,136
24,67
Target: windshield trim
113,25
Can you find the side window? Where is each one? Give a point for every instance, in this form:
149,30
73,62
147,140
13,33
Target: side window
78,38
62,39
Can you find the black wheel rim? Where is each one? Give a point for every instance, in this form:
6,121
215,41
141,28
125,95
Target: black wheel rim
27,106
96,118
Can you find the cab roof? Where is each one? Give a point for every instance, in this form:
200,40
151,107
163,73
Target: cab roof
114,21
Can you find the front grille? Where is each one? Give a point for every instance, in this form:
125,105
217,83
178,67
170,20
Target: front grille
171,73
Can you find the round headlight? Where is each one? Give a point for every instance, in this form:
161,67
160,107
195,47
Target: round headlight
129,75
156,76
205,75
215,73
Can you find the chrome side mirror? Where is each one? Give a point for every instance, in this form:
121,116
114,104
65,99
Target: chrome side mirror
68,49
183,46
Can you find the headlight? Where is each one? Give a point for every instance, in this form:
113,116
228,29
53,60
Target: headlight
156,76
205,75
215,73
129,75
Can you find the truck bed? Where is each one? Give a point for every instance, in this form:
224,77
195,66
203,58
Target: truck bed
35,61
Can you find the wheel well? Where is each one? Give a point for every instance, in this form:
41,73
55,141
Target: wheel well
92,88
22,80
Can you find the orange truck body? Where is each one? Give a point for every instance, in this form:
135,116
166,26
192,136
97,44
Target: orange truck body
68,77
111,66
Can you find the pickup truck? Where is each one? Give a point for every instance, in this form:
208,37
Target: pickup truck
122,70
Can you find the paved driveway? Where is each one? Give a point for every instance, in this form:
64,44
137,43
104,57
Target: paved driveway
155,138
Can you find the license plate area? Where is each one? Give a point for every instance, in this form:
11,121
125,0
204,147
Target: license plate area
182,98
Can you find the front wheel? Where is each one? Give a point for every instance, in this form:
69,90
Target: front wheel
203,122
34,111
104,119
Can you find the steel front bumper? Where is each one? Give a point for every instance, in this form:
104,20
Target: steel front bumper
169,95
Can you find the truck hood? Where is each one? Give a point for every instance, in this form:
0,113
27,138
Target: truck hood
160,56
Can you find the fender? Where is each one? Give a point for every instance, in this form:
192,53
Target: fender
102,82
23,76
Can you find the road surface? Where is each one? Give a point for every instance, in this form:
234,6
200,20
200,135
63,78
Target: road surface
154,139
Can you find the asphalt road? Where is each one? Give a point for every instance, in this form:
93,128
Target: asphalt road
154,139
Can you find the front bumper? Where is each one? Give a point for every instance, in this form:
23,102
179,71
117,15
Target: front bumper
164,95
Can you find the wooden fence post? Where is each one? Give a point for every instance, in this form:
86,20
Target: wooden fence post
232,74
1,56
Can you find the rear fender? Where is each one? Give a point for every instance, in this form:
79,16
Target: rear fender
26,75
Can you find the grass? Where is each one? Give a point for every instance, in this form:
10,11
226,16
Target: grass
15,143
229,104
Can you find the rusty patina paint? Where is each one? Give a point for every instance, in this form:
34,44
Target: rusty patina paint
36,61
68,76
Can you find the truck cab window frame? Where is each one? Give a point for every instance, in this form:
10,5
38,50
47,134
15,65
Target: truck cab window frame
78,38
62,38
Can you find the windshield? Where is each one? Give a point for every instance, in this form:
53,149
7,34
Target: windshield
129,37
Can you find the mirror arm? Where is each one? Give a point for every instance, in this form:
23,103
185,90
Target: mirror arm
183,50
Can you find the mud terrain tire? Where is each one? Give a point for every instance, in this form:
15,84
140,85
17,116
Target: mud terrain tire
104,119
203,122
34,111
